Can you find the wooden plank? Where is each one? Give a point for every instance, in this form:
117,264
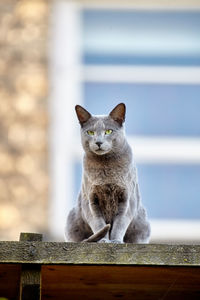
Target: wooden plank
30,281
9,281
30,237
108,282
127,282
95,253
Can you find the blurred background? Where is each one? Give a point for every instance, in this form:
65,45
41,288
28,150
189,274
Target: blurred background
56,54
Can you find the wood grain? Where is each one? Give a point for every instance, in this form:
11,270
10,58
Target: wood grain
126,282
9,281
95,253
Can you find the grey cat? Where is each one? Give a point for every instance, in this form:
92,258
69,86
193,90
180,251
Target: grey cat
109,206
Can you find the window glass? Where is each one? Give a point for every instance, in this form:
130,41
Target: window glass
170,191
77,179
141,37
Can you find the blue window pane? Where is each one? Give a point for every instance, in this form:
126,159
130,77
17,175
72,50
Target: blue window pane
170,191
77,180
152,110
141,37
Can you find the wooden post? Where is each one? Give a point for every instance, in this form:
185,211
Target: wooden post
30,281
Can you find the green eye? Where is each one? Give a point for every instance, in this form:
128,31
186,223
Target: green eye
89,132
108,131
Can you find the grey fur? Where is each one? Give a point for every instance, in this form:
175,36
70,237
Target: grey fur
109,192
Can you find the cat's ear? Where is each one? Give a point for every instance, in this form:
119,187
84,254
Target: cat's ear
118,113
82,114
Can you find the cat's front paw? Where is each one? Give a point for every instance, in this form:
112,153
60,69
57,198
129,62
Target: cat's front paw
104,240
116,241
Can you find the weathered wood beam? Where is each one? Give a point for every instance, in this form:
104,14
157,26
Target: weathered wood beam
30,237
102,254
30,281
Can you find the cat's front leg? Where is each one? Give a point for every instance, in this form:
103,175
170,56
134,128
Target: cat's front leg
119,228
95,218
122,219
96,224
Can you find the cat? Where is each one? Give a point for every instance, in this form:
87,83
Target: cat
109,207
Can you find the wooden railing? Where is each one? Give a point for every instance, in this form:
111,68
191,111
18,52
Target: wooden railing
32,269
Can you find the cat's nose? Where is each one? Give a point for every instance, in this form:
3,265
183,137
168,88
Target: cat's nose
99,144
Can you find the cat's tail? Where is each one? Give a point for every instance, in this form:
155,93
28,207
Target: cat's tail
98,235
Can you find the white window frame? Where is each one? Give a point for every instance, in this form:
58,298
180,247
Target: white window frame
66,76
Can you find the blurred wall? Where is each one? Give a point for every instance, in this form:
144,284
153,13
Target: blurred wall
23,117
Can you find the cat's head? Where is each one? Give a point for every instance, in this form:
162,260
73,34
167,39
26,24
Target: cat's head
102,134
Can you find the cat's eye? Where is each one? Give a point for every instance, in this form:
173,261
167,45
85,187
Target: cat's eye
90,132
108,131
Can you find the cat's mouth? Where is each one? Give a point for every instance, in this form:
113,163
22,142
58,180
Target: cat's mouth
99,149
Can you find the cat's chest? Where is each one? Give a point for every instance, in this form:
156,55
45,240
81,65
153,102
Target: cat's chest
105,174
107,198
119,171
